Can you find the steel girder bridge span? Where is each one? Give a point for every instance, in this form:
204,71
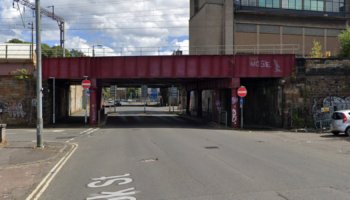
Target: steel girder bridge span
220,74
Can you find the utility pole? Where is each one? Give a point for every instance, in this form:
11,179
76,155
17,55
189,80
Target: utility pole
32,47
60,20
39,126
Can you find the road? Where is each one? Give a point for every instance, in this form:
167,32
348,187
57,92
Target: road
160,156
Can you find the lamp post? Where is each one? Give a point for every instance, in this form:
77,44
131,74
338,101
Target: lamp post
93,49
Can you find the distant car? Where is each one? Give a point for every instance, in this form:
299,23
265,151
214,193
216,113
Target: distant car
117,103
111,103
341,122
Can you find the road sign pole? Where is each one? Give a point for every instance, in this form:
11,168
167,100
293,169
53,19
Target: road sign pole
115,98
86,99
241,105
242,92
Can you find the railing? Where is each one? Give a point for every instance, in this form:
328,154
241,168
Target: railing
26,51
185,50
16,52
247,49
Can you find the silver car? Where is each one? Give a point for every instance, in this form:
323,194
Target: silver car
341,122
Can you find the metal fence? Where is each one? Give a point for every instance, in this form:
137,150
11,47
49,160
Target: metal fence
26,51
322,120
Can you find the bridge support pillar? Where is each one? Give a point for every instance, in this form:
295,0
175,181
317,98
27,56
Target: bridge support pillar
188,101
199,103
235,105
235,109
93,103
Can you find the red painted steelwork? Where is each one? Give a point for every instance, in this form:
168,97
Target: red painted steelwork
205,66
267,66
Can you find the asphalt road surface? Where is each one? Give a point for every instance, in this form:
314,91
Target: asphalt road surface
160,156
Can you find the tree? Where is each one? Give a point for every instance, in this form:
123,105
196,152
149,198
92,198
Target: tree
316,51
52,52
344,40
16,41
76,53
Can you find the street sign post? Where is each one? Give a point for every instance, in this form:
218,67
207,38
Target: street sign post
86,84
241,92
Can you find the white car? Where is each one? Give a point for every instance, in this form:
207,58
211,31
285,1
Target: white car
341,122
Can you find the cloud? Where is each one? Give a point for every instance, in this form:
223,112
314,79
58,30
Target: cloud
113,24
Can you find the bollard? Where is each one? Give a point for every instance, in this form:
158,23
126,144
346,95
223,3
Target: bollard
2,133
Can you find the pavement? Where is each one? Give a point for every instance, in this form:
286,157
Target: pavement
23,166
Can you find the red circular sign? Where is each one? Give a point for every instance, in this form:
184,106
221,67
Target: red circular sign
242,91
86,84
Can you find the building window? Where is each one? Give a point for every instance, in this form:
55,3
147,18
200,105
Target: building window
269,3
335,6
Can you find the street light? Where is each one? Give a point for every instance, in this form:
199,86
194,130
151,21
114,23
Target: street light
93,49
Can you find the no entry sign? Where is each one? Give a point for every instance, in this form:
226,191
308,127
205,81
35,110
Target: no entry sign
242,91
86,84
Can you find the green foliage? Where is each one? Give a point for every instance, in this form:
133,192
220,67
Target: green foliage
298,120
106,93
21,74
76,53
316,51
133,92
15,41
344,39
52,52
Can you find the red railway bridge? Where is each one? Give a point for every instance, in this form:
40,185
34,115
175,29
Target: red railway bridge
221,74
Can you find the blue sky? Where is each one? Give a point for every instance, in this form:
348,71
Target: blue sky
121,27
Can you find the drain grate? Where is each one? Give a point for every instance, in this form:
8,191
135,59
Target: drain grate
212,147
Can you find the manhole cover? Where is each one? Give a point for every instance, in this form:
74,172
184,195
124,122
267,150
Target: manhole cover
212,147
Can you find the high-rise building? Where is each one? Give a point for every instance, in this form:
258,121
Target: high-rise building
266,26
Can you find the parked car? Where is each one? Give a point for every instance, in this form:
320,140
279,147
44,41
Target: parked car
341,122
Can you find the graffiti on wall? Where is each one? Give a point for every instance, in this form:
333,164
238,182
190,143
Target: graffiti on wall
323,108
234,101
12,109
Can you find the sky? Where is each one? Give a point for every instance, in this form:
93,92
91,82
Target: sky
111,27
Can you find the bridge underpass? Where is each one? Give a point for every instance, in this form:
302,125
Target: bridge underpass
208,83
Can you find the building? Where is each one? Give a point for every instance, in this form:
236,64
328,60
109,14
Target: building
266,26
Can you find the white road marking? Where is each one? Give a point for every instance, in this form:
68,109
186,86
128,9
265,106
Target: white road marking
44,184
108,181
119,195
98,182
81,133
87,132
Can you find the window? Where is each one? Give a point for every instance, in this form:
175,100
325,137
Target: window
311,5
252,2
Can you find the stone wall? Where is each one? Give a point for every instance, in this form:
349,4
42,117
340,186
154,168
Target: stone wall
17,101
315,91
